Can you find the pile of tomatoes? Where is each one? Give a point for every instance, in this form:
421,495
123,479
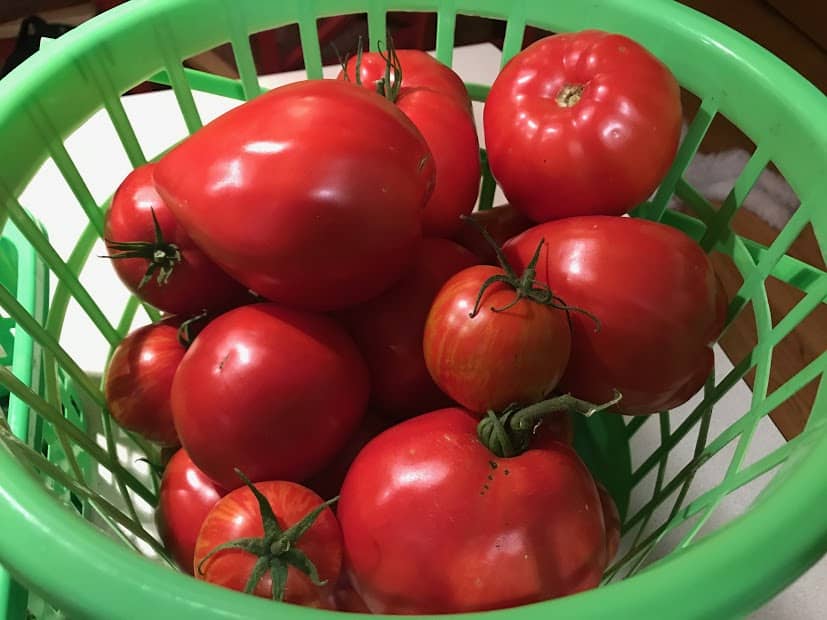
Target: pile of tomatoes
371,386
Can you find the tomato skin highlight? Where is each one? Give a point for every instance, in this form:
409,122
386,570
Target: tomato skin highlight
389,331
138,381
237,515
310,194
581,123
656,295
272,391
433,522
196,282
498,357
186,497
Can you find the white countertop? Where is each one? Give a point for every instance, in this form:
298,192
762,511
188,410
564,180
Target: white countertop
158,124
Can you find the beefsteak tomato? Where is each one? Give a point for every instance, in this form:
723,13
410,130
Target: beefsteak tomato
581,123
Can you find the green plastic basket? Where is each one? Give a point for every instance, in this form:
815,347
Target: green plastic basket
53,519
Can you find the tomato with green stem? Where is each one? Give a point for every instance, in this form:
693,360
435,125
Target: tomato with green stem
274,539
443,121
445,513
155,257
493,338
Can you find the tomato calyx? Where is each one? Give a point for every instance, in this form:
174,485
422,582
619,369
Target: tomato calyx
162,256
276,550
184,335
525,286
391,83
569,95
509,433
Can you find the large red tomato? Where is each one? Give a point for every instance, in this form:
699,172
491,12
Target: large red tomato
272,391
446,126
311,194
501,355
434,522
419,70
657,298
238,515
185,498
388,331
162,266
581,123
139,378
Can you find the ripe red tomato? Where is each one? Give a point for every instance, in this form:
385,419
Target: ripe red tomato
238,515
498,357
169,272
501,222
434,522
311,194
611,519
442,118
272,391
657,298
185,498
388,331
139,379
581,123
419,70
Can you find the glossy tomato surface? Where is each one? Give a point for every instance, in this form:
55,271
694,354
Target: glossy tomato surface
237,515
581,123
452,138
389,328
186,497
138,381
272,391
310,194
656,296
196,283
433,522
498,357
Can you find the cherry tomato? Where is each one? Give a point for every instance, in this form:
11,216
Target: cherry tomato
655,294
139,380
581,123
388,331
500,356
434,522
501,222
272,391
419,70
238,515
186,496
310,194
166,270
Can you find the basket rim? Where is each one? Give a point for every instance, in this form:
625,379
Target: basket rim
68,570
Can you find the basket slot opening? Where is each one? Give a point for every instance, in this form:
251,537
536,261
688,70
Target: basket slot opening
413,29
340,37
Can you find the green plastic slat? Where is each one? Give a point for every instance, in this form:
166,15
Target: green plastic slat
64,273
691,142
66,166
816,296
477,92
377,24
488,185
165,37
514,31
719,227
446,22
788,269
205,82
243,53
309,37
695,201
